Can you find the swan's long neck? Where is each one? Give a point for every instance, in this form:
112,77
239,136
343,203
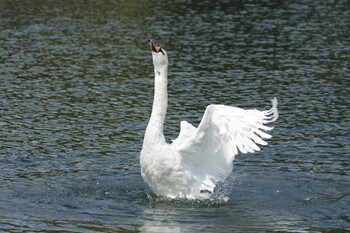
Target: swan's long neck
154,131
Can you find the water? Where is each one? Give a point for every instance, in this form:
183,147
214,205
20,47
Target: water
76,94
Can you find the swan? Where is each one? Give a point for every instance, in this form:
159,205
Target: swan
199,158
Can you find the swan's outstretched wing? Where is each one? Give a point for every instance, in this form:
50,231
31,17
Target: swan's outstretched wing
208,151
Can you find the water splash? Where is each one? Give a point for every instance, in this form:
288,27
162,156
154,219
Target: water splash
220,196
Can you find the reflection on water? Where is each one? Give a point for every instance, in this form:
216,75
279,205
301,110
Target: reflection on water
77,87
211,216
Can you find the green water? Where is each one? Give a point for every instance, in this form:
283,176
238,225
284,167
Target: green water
76,87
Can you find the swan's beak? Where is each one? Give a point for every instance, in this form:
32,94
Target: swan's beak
155,47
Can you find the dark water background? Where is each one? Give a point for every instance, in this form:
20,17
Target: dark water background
76,87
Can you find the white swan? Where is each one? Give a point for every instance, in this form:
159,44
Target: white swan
200,157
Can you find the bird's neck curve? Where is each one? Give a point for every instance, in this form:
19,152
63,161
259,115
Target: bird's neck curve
154,130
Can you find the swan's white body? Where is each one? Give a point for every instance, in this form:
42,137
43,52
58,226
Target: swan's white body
200,157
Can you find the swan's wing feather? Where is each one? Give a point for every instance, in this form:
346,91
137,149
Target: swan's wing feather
208,151
186,132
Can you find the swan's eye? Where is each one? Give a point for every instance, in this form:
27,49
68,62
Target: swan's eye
161,50
156,48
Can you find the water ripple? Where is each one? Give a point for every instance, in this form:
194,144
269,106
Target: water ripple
77,89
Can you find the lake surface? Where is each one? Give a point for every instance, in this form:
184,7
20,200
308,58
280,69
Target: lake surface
76,87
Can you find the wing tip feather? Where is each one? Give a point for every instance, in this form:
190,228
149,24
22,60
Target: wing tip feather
273,111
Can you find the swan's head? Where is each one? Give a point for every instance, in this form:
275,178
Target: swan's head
159,55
